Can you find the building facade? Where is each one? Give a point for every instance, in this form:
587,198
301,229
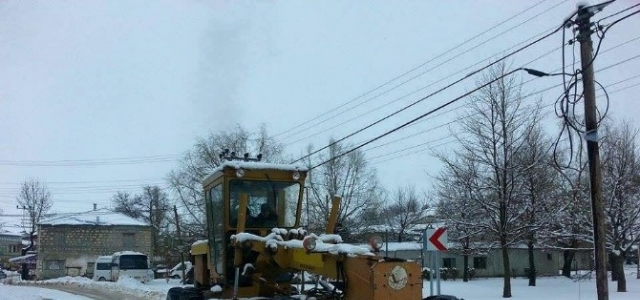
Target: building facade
69,246
10,247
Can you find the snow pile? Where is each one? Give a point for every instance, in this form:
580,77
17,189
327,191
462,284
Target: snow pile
157,289
275,240
216,289
200,242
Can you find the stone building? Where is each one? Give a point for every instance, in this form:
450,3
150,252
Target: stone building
10,247
70,244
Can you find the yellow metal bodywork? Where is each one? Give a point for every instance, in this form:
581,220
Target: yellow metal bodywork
368,277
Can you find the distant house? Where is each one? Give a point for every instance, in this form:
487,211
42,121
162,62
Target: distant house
70,244
10,247
488,263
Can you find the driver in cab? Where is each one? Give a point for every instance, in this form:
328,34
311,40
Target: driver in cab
267,217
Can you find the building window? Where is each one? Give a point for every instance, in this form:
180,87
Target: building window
54,264
449,262
59,239
13,249
479,262
549,256
128,241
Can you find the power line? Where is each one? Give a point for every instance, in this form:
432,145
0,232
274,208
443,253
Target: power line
416,119
619,12
89,162
414,69
48,183
434,93
454,140
538,92
525,82
420,89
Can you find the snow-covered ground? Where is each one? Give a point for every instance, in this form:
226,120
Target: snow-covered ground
12,292
477,289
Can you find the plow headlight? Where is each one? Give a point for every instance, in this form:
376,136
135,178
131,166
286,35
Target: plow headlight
309,243
239,173
296,175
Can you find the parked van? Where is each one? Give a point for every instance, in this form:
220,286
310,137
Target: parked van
131,264
102,268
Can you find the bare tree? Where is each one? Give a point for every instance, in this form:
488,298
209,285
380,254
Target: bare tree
186,181
458,206
405,213
539,183
128,204
150,206
621,189
35,200
350,177
492,135
572,230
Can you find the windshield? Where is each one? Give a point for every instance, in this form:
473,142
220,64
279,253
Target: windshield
270,203
133,262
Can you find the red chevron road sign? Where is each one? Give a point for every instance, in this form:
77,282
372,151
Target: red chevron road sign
436,239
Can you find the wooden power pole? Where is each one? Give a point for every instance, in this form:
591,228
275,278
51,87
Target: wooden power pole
583,21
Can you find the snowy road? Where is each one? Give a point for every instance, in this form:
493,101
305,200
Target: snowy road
94,293
12,292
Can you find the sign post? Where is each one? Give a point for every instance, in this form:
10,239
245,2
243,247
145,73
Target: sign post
434,241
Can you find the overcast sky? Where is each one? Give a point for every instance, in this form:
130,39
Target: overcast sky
86,82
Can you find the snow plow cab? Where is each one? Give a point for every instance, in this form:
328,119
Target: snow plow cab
255,245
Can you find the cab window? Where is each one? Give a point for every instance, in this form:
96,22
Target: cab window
269,203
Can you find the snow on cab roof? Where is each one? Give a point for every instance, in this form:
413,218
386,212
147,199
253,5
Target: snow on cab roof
252,165
128,253
101,217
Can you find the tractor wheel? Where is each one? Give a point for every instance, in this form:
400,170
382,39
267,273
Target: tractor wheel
174,293
191,293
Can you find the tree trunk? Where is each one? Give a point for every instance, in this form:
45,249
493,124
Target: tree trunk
568,260
532,265
618,269
506,292
613,264
465,265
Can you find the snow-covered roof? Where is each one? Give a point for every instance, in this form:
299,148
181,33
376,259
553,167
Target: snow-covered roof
102,217
10,233
252,165
127,253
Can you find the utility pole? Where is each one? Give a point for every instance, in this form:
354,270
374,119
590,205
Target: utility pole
24,270
583,21
175,212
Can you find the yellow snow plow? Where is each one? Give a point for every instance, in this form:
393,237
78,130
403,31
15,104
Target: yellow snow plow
255,246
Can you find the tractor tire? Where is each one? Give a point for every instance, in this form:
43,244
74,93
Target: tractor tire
191,293
174,293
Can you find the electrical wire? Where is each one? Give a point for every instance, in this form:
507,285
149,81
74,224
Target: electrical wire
434,93
414,69
453,140
619,12
90,162
521,84
566,108
416,119
421,89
